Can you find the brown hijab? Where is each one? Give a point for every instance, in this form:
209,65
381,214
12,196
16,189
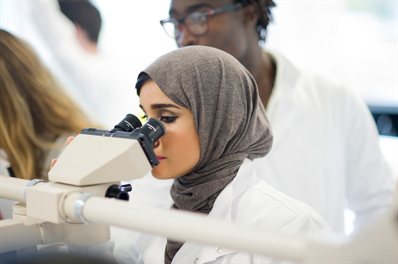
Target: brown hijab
229,118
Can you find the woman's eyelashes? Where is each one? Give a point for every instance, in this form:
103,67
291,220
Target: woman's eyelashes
168,119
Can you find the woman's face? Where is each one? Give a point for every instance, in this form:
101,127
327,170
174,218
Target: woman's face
178,150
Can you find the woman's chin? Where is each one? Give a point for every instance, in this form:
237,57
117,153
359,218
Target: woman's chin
161,175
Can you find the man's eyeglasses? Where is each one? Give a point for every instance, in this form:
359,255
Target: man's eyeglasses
195,22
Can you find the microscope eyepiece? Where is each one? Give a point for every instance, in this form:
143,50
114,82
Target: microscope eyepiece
154,129
128,124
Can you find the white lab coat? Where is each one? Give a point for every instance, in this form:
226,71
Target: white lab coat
326,151
246,200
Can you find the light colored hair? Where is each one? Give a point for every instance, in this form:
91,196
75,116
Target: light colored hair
34,110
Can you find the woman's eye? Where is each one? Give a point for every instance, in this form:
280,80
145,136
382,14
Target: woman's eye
168,119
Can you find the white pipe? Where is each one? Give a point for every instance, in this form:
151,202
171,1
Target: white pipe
183,226
12,188
177,225
186,226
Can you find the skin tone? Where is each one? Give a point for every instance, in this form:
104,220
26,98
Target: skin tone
179,149
233,32
68,141
84,41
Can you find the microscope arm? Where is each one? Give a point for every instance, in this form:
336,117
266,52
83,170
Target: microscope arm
13,188
39,222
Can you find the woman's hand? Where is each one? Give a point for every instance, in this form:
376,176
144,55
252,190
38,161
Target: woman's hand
68,141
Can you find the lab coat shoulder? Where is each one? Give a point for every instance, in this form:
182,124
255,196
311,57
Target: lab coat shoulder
265,207
369,178
250,201
324,93
315,88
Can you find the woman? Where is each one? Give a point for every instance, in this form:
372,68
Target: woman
215,126
35,114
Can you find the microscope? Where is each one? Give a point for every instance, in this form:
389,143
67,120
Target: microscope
93,164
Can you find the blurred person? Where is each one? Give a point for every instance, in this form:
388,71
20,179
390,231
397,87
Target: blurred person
98,82
326,150
87,21
209,151
36,115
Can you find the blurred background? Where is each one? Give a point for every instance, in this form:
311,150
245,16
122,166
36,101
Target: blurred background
355,40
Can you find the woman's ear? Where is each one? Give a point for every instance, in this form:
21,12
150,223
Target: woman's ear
250,15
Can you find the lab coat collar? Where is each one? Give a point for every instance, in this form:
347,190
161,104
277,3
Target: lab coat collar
286,97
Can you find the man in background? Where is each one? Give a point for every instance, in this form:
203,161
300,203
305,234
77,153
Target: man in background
326,150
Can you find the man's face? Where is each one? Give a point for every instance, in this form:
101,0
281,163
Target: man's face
225,31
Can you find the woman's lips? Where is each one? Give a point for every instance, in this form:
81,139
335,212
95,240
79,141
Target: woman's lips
160,157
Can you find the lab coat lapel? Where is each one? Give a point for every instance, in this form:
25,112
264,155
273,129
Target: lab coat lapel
286,98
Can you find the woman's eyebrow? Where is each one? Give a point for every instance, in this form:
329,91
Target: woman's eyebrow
161,106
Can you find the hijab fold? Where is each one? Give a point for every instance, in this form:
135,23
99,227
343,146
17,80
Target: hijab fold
229,117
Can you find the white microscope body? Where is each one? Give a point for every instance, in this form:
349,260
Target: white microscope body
93,164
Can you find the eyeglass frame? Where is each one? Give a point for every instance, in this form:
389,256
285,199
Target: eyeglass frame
210,12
